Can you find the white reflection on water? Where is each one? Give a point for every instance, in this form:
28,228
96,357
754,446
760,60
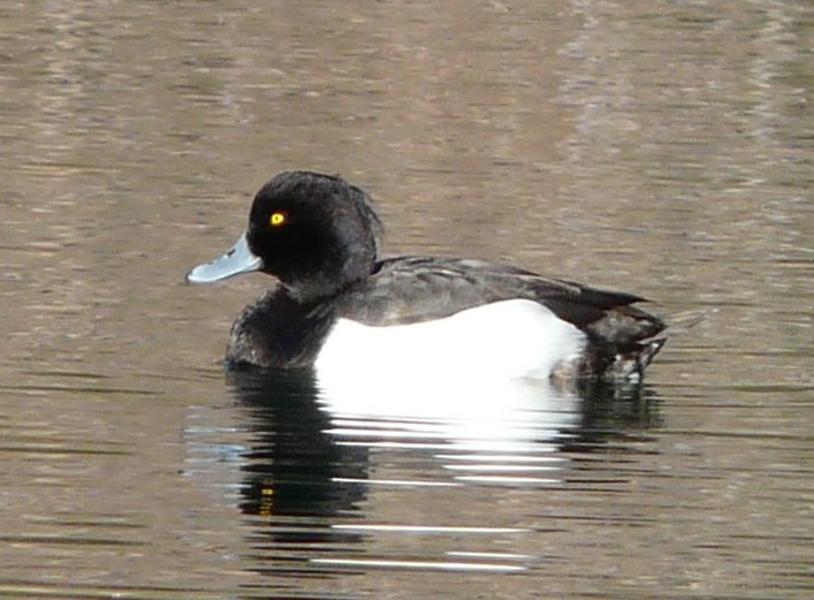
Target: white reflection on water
415,564
486,429
465,561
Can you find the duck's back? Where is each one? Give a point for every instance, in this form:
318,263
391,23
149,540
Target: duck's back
412,290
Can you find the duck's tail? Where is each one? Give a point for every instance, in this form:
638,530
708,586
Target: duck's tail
629,363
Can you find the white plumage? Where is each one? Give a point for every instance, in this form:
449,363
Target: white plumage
511,338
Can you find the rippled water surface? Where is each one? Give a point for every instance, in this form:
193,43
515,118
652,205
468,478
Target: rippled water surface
663,148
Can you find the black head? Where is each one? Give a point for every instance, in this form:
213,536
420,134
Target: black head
314,232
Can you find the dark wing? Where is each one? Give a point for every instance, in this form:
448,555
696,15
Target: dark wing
414,289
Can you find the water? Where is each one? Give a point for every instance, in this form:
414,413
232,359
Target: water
665,149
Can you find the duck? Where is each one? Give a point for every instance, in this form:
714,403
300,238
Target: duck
338,305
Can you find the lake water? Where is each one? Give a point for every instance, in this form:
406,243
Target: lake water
661,148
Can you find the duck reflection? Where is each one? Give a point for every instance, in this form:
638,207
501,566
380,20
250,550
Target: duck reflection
327,468
613,413
312,439
293,463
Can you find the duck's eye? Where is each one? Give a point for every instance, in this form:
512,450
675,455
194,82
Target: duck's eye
276,219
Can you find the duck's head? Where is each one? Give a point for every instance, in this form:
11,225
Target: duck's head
316,233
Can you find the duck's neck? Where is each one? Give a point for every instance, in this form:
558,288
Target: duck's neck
327,283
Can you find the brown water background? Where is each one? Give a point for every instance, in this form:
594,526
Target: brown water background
665,148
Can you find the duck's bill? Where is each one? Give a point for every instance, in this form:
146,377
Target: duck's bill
239,259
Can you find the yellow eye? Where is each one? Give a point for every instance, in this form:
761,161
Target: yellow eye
276,219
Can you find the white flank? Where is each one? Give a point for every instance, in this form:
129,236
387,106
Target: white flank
508,339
